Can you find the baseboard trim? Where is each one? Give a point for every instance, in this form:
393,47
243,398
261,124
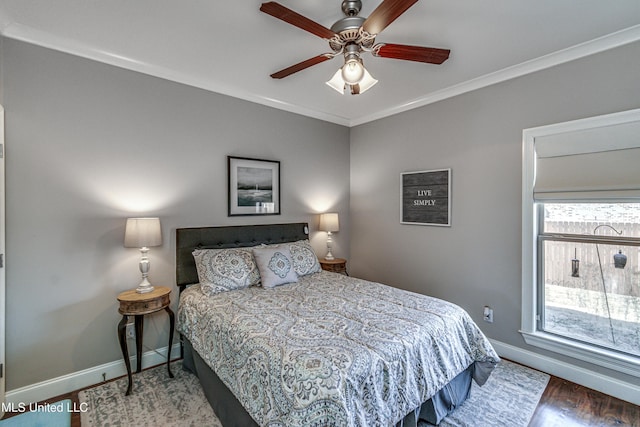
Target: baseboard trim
585,377
85,378
88,377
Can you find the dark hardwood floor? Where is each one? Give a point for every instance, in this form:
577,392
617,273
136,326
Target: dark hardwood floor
563,404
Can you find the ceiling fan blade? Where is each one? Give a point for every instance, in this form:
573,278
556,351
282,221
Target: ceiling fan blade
301,66
385,14
287,15
429,55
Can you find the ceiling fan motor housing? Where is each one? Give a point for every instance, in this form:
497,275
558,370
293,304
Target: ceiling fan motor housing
347,28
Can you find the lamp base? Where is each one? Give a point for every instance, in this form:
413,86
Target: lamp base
329,256
144,287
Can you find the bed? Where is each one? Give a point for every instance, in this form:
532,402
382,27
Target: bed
324,350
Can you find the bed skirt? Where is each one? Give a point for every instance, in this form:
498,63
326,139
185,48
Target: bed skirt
231,413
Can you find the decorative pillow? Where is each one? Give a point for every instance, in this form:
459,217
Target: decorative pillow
275,265
221,270
305,260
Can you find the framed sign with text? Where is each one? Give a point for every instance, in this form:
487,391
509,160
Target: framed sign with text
426,197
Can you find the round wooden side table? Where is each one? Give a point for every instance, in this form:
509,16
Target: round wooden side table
137,305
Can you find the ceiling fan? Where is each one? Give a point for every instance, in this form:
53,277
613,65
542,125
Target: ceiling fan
352,36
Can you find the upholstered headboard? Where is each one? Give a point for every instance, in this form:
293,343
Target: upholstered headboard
188,239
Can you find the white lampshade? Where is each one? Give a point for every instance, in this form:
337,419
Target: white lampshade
142,232
367,82
337,82
329,222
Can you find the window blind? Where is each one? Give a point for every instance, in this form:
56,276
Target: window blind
599,163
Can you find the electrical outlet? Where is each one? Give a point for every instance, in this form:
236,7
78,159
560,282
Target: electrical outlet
131,330
487,314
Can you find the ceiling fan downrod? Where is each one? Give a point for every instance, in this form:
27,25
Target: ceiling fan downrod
351,7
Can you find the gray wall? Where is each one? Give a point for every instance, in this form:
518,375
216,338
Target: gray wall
89,145
476,261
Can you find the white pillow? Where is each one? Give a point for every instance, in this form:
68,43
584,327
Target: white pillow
275,266
221,270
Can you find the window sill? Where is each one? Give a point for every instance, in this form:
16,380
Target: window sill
598,356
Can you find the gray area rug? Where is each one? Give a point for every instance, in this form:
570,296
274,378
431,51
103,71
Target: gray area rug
155,400
509,398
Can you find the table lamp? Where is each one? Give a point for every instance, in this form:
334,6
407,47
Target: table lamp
329,223
143,233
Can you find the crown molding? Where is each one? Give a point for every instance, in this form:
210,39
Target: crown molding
601,44
33,36
47,40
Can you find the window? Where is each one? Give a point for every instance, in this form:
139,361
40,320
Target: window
589,286
580,219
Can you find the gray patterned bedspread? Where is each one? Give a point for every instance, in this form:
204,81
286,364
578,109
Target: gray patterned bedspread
332,350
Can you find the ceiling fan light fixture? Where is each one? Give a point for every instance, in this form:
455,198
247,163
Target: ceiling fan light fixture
338,84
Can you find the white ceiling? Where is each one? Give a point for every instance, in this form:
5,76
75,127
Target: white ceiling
231,47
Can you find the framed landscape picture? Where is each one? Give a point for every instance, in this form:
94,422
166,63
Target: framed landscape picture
254,186
426,197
